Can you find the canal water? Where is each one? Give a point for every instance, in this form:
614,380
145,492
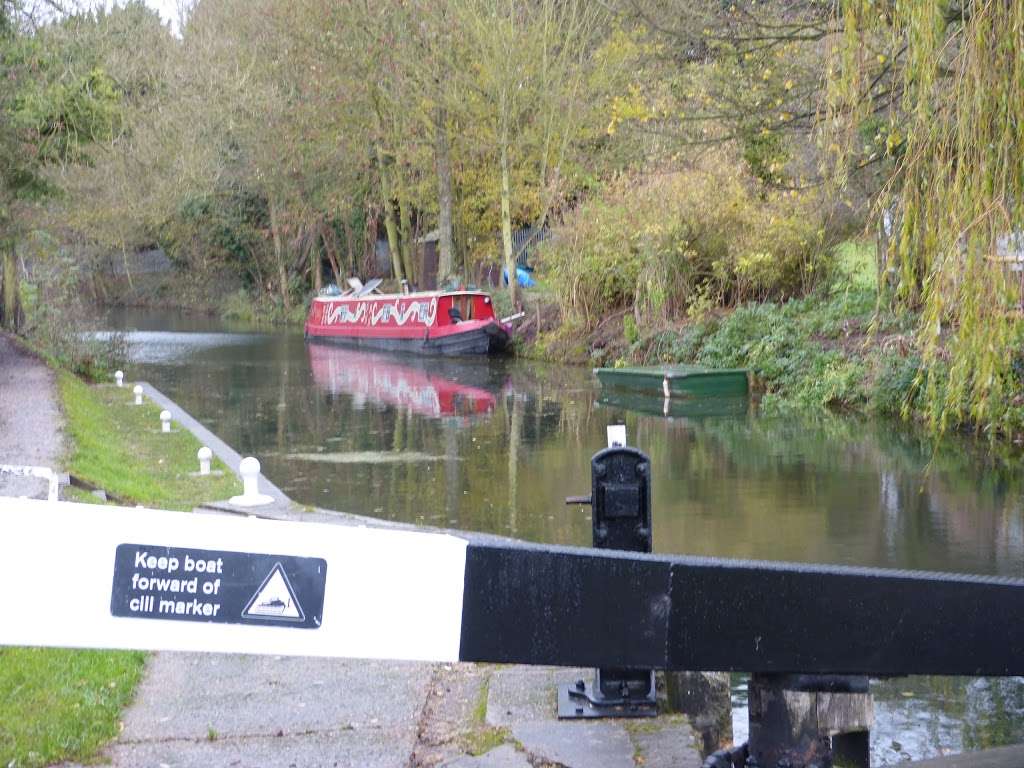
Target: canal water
497,444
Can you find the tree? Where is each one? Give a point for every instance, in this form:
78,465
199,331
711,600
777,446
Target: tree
529,72
949,120
49,114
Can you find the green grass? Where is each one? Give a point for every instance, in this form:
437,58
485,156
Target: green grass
119,447
58,704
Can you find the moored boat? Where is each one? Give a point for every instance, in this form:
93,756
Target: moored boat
430,322
678,380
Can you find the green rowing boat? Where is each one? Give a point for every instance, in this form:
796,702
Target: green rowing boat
677,380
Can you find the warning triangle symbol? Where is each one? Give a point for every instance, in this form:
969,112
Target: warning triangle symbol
275,599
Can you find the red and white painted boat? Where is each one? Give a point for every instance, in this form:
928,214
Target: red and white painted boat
431,323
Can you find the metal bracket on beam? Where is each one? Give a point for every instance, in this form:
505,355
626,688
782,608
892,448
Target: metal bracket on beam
630,693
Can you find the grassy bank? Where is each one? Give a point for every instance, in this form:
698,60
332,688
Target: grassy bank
119,447
833,348
59,704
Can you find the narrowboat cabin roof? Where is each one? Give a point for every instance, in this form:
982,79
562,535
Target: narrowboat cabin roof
417,294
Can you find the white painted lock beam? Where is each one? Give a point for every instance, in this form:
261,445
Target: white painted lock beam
72,568
79,575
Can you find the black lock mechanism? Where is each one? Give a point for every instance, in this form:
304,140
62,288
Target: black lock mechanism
620,497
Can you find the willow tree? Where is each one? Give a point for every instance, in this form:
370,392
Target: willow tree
956,194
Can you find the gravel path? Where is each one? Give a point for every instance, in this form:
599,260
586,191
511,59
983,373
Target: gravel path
30,420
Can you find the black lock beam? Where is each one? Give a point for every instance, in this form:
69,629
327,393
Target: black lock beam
565,606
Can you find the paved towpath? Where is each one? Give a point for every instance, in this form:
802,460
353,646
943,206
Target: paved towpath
30,419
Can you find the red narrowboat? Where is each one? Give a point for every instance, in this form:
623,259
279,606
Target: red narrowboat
431,323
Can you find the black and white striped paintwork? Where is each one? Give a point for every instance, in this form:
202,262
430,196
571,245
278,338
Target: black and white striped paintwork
439,596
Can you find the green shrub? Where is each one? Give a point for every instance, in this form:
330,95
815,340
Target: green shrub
894,388
629,329
62,324
694,239
239,306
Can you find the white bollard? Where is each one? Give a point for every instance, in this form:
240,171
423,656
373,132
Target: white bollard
204,455
138,394
249,469
165,421
119,378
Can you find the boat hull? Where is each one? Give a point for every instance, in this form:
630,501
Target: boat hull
677,380
485,339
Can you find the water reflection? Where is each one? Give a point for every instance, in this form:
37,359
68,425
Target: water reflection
676,407
496,445
434,389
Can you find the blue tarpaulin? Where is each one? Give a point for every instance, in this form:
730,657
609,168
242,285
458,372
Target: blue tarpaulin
522,275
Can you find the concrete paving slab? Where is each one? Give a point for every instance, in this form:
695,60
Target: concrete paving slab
524,699
577,744
665,740
451,719
184,696
357,748
18,486
527,694
505,756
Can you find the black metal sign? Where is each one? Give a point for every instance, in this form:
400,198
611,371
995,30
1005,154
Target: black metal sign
180,584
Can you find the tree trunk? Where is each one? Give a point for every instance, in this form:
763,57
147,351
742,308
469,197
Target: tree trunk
327,236
408,252
390,225
515,433
370,238
350,247
124,259
506,223
10,295
445,243
316,266
282,272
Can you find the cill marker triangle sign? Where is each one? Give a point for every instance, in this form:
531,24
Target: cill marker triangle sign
274,599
